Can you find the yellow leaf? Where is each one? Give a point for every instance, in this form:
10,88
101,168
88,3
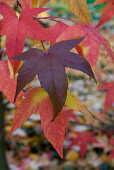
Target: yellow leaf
73,103
80,9
35,3
39,3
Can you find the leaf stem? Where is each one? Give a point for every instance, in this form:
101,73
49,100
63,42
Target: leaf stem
59,18
18,4
43,45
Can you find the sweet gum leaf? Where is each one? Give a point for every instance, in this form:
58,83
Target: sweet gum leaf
50,68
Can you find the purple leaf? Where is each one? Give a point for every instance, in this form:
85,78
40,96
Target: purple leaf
50,68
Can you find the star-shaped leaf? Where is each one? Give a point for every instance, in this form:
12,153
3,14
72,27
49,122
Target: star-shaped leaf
82,139
50,68
16,29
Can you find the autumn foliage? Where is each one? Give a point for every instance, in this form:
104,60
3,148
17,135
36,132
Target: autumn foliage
52,100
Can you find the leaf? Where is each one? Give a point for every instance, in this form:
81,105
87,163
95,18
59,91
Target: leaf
56,30
7,81
97,71
73,103
16,29
53,131
80,9
35,3
107,13
91,41
79,49
99,2
50,68
82,139
36,99
8,1
109,98
28,106
43,2
67,115
26,3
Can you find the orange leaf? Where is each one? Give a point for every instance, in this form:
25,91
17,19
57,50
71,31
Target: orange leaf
28,106
36,99
42,3
80,9
26,3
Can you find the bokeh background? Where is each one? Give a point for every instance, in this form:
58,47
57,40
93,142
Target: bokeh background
28,149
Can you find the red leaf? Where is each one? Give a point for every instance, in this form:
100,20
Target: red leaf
54,131
109,98
68,114
36,99
16,29
107,13
82,139
56,30
28,106
91,42
7,81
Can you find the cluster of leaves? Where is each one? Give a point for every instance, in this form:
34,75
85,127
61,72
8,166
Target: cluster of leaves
50,65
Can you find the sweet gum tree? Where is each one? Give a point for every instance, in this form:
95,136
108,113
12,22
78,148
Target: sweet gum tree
52,100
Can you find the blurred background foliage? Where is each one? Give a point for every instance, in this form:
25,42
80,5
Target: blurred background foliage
28,149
